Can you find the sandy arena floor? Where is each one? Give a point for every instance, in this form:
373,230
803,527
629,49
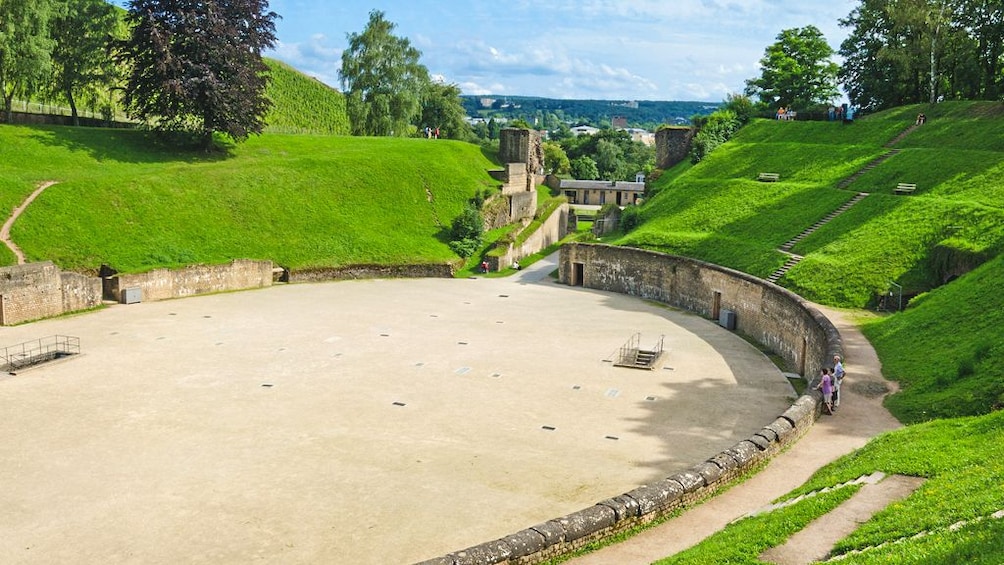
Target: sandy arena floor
378,421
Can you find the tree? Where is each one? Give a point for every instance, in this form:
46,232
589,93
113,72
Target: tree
25,48
584,168
443,110
83,33
196,67
796,70
382,79
555,160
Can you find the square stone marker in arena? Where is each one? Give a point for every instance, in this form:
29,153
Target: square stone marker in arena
375,421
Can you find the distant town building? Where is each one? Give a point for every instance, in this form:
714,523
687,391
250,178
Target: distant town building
585,130
599,192
619,122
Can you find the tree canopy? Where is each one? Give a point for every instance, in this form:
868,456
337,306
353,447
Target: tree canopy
911,51
796,71
25,48
82,34
382,79
196,67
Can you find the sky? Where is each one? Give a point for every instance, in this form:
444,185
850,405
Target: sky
700,50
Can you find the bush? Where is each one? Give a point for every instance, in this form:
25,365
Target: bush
466,231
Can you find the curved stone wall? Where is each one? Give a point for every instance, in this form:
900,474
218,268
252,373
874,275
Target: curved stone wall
778,319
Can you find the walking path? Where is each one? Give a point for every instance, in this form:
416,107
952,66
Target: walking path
861,416
5,230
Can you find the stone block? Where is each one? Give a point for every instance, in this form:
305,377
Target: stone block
656,496
488,553
689,480
624,507
525,542
587,521
552,532
709,472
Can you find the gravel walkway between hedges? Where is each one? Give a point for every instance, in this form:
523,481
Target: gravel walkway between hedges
861,416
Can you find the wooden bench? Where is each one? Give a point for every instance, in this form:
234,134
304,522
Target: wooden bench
905,188
768,177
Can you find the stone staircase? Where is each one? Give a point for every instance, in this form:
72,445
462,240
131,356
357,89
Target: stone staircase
858,197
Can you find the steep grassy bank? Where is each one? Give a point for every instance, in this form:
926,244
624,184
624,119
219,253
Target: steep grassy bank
717,211
301,104
300,201
950,519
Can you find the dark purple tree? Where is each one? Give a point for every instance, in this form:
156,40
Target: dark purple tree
196,66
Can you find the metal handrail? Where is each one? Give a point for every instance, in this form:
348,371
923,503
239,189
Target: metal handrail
37,351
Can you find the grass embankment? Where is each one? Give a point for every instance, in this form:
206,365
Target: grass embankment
963,461
301,104
301,201
946,350
717,210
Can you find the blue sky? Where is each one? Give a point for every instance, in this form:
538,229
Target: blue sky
601,49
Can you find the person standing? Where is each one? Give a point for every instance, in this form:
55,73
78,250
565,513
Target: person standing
838,379
826,386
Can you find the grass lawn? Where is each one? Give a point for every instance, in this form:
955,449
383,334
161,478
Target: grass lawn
299,200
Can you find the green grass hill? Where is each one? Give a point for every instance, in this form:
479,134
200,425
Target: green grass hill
718,211
320,200
942,244
301,104
299,200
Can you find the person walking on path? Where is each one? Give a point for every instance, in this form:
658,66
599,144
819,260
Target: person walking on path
826,441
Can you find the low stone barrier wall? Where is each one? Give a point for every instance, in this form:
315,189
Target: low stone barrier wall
778,318
40,290
163,284
444,270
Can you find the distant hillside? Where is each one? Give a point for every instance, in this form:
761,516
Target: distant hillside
301,104
546,111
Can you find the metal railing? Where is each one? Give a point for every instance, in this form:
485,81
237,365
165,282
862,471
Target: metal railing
37,351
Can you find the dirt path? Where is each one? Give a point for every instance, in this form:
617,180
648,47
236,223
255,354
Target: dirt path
861,416
5,231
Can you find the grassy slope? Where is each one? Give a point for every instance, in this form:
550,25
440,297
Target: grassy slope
299,200
301,104
962,461
717,211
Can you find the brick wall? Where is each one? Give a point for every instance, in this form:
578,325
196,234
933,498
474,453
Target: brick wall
766,312
40,290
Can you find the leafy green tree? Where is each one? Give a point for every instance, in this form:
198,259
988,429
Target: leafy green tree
466,231
83,33
442,110
494,128
584,168
713,131
382,79
555,160
910,51
196,67
796,70
25,48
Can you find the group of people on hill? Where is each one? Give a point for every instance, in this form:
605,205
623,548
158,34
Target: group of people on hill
431,133
830,380
785,113
921,119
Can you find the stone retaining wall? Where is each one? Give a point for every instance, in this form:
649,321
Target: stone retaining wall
780,319
548,233
40,290
444,270
163,284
